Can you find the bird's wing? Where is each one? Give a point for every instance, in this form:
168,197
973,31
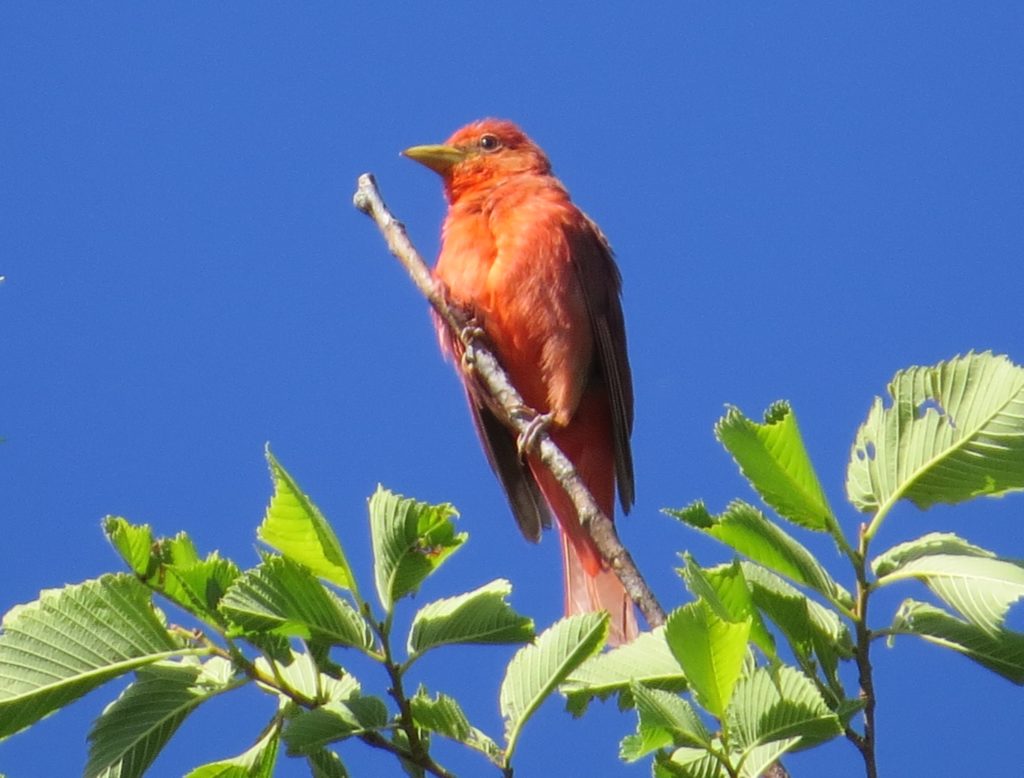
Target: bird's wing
499,443
601,283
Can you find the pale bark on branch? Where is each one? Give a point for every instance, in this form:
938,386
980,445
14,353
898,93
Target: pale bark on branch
507,402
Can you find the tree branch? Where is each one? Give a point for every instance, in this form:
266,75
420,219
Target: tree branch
508,404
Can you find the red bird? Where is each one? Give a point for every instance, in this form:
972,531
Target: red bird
539,277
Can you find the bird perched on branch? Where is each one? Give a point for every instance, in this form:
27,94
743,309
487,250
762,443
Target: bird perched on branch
539,278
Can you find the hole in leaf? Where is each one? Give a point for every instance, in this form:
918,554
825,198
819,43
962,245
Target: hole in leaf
931,404
1015,617
867,451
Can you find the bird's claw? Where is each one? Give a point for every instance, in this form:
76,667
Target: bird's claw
472,331
468,359
528,439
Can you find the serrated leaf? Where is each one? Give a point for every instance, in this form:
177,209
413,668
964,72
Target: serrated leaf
1002,653
178,550
411,539
133,542
647,660
975,582
479,616
294,526
726,592
71,640
760,758
199,586
284,598
442,714
773,458
954,431
810,628
926,545
779,704
172,567
310,730
663,719
256,762
537,670
710,650
688,762
748,531
133,729
302,675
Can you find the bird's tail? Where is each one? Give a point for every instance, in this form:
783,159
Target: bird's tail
587,591
589,584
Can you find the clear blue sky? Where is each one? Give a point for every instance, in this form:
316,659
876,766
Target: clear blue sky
803,199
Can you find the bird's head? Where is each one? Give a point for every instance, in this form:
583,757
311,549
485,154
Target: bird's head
481,155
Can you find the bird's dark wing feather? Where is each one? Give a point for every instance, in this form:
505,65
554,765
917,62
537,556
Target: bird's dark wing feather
499,443
601,283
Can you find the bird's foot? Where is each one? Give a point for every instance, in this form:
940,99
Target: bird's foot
471,331
528,440
469,334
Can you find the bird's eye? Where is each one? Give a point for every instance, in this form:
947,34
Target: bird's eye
489,142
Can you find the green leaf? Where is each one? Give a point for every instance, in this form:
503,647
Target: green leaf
131,732
536,670
1002,653
954,431
133,542
302,676
779,704
411,540
284,598
927,545
172,567
480,616
647,660
746,530
199,586
71,640
326,764
773,458
810,628
443,715
974,581
294,526
726,592
179,550
310,730
688,762
759,758
664,720
710,650
256,762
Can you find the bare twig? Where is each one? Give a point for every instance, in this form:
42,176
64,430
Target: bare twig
507,401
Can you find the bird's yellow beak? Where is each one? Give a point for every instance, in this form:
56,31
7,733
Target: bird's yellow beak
440,159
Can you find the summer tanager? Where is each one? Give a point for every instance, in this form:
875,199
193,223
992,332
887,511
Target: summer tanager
539,278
